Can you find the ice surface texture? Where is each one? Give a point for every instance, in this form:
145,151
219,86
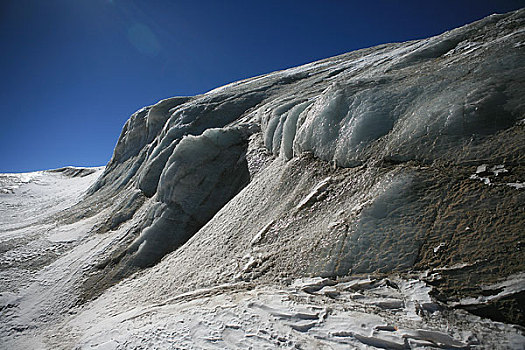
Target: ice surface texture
368,163
440,100
203,173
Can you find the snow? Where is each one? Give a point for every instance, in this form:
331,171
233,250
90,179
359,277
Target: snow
311,313
491,175
10,182
439,246
240,315
288,210
481,169
516,185
260,235
315,194
514,284
41,254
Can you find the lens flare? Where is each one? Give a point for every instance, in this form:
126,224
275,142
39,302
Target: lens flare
143,39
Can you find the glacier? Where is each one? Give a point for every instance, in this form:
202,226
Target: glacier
337,204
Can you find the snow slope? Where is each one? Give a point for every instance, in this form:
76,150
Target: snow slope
333,205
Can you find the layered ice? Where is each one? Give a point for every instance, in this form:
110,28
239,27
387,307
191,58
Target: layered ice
393,113
303,208
203,173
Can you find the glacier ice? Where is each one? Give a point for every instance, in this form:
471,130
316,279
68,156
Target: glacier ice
202,174
288,198
439,101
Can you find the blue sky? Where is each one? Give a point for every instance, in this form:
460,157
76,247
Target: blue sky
73,71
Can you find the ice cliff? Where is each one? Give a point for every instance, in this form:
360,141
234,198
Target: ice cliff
392,132
394,127
367,163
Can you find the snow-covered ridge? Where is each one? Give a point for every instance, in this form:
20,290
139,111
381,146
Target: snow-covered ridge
278,210
9,182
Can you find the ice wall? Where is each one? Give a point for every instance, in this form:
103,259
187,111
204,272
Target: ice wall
203,173
388,112
450,88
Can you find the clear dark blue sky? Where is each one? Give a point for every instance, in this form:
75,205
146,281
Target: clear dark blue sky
72,71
